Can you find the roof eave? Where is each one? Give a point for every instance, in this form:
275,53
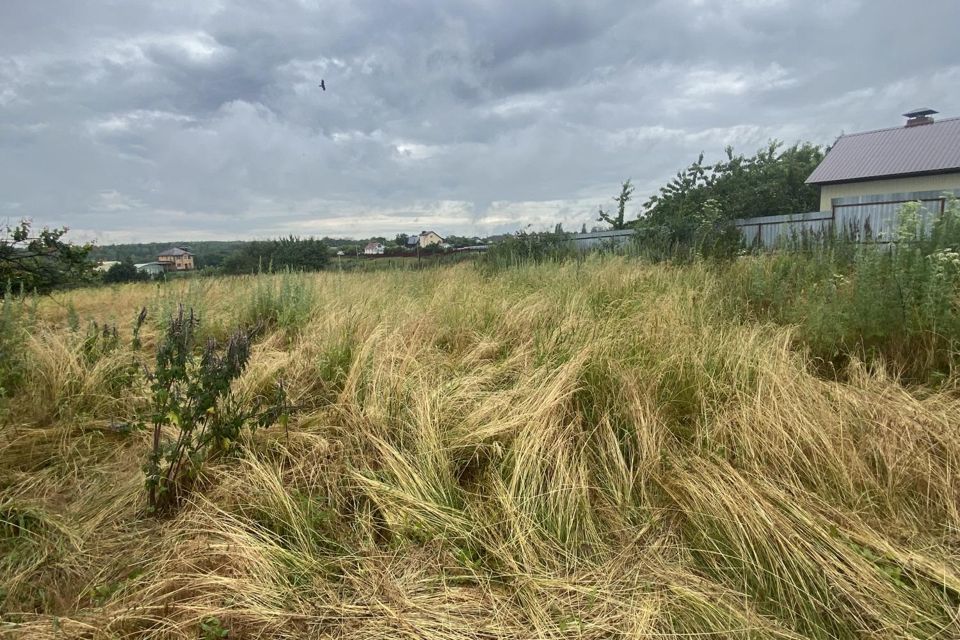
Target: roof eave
888,176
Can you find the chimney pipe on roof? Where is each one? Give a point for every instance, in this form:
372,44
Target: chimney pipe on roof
919,116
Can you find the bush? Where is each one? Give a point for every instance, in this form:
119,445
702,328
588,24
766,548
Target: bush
772,181
528,248
707,233
284,301
898,301
124,271
191,393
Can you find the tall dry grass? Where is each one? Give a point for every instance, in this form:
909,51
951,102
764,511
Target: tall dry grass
589,450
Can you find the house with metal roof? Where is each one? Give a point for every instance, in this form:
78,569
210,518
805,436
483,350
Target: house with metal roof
430,238
866,177
917,161
176,259
424,239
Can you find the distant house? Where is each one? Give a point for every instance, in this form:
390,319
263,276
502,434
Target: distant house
373,249
429,238
425,239
917,161
176,259
151,268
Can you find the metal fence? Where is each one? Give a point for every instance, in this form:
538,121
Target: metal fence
768,231
602,239
862,218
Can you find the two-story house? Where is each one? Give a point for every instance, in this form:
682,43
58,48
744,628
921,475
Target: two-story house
176,259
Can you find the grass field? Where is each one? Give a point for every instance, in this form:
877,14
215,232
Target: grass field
408,261
598,450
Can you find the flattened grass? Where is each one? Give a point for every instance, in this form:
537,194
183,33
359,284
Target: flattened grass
591,450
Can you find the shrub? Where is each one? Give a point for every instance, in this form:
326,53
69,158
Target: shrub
124,271
191,394
898,301
528,248
283,301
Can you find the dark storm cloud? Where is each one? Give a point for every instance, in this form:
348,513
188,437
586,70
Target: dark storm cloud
172,119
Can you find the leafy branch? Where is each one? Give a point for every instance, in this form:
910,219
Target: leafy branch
41,260
618,222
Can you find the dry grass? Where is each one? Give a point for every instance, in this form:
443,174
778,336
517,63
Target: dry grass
594,451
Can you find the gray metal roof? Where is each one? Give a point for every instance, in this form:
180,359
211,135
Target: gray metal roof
927,148
175,251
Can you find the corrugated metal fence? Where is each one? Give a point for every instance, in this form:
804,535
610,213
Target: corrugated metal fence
864,218
601,239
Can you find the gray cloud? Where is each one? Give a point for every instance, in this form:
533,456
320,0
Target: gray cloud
202,119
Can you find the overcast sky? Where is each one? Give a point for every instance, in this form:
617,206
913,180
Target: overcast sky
140,120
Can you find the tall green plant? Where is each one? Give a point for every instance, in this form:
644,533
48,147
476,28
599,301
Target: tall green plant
285,301
13,330
528,248
191,392
898,300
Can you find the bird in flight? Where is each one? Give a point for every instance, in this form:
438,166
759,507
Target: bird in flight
322,85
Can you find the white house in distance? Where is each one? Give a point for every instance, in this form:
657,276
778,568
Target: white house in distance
425,239
373,249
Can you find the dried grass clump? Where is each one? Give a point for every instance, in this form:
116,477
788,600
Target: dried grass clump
590,450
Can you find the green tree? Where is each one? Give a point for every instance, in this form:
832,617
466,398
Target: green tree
768,183
41,260
401,239
299,254
123,271
618,222
461,241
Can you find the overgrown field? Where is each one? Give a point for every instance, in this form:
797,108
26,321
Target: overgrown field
601,449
